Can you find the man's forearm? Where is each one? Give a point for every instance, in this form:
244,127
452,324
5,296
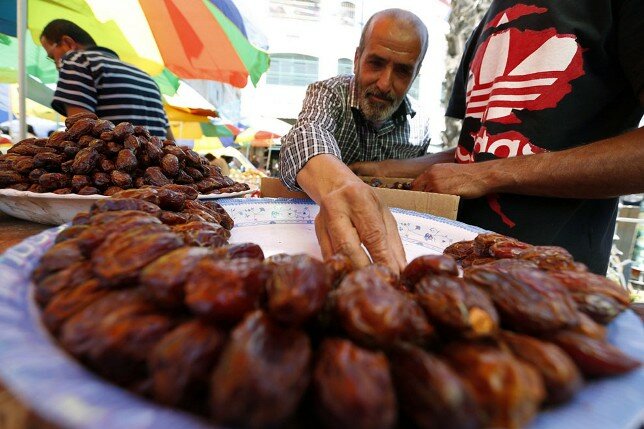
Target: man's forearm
322,174
412,167
603,169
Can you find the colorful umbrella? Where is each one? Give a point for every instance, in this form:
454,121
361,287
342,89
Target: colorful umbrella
195,39
263,131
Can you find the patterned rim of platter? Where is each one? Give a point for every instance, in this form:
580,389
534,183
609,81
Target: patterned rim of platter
55,209
59,389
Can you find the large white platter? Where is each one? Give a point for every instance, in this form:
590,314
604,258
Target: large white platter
53,384
53,209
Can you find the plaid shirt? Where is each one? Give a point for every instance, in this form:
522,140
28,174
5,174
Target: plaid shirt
331,122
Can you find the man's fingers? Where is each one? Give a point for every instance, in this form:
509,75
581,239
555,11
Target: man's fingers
378,231
394,240
323,238
344,239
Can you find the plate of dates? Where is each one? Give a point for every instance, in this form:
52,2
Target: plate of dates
126,320
56,209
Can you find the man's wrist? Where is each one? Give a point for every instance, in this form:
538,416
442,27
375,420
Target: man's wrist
323,174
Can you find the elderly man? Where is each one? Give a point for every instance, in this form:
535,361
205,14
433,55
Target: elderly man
366,117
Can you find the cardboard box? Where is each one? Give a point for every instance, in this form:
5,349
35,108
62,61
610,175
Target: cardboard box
425,202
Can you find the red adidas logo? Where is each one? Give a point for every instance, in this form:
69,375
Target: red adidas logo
515,70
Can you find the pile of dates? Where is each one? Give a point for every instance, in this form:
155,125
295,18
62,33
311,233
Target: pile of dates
93,156
145,290
378,183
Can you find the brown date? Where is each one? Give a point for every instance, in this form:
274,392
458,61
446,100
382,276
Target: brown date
550,258
595,358
170,165
155,177
101,179
171,200
85,161
165,278
68,277
57,139
150,195
48,161
80,181
372,312
261,375
81,127
297,289
482,242
507,249
122,130
190,193
597,296
457,307
561,377
126,161
140,130
118,204
427,264
120,179
507,391
61,255
225,290
120,257
352,387
24,166
338,266
88,190
115,334
52,181
101,126
10,178
429,391
70,301
529,300
72,119
182,361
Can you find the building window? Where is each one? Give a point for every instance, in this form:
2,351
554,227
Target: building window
345,66
347,13
297,9
292,70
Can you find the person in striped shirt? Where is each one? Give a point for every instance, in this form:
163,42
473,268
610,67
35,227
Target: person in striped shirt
365,117
93,79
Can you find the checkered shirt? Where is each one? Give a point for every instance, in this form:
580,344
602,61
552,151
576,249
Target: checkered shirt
331,122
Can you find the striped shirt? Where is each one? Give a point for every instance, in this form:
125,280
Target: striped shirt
97,80
331,123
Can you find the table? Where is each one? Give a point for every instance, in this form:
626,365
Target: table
13,231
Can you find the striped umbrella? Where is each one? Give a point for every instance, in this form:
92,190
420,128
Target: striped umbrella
169,39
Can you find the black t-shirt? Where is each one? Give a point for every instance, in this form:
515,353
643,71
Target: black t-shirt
543,75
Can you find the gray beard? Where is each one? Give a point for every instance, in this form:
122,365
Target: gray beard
376,113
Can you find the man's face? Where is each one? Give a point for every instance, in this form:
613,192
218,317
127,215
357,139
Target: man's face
56,51
386,67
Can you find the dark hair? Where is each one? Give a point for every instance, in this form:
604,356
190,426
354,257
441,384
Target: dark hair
403,16
56,29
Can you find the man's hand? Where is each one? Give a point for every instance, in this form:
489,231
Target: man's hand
466,180
351,215
411,167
